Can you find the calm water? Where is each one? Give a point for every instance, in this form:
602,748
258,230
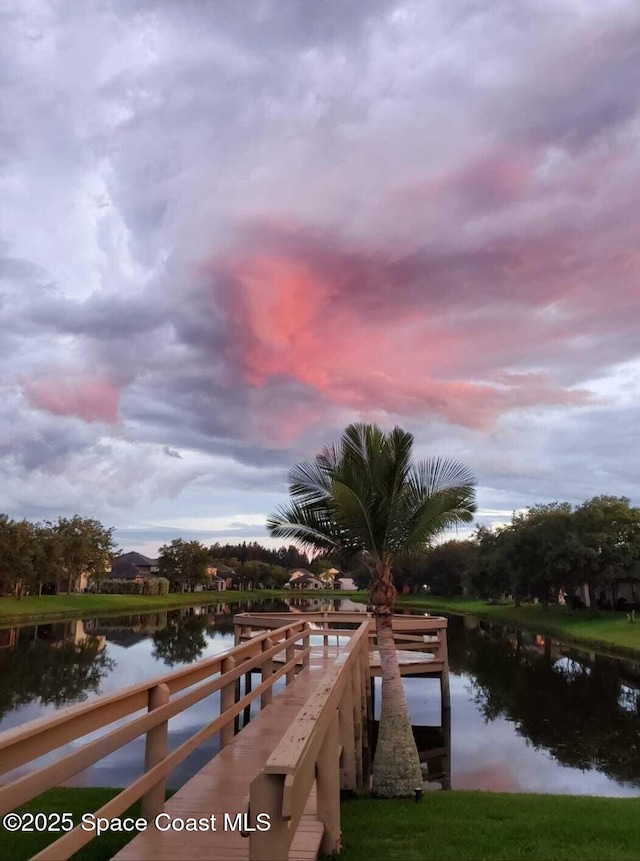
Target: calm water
528,714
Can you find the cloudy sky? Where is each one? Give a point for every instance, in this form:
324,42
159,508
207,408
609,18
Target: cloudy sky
229,228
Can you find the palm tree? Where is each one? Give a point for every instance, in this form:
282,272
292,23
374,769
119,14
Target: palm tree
363,497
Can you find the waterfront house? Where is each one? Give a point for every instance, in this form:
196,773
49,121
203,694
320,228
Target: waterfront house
303,579
134,566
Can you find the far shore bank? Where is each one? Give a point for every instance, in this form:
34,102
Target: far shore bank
50,608
602,630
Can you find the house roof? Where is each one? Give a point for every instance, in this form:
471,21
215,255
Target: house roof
304,577
225,571
300,572
136,559
126,571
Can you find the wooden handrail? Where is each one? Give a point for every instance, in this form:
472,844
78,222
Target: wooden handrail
323,733
77,838
25,788
401,623
31,741
38,737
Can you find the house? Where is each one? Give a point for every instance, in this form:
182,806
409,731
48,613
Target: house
134,566
225,577
302,579
344,583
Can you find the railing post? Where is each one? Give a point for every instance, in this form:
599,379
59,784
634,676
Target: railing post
328,788
267,672
306,641
246,717
265,796
156,748
348,778
366,713
289,655
356,684
227,701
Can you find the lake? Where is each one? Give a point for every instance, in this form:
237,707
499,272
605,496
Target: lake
528,713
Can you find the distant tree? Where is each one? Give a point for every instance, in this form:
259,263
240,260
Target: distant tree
494,574
609,527
16,552
47,557
184,564
85,546
448,567
286,557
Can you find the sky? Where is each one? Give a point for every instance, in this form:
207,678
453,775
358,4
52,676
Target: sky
229,229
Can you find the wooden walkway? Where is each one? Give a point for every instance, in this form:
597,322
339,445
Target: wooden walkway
309,740
222,786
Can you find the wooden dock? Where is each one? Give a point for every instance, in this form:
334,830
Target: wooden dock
289,762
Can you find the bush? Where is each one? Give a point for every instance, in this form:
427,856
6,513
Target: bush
150,586
154,586
116,586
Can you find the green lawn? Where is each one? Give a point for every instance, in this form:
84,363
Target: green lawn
603,630
465,826
444,826
59,606
20,846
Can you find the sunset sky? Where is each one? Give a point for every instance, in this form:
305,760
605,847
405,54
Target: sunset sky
230,228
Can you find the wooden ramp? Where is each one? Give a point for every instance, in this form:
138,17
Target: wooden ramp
222,786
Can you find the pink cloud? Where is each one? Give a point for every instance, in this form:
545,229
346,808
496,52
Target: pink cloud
370,333
88,398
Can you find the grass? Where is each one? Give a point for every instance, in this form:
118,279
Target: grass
35,608
604,630
465,826
19,846
444,826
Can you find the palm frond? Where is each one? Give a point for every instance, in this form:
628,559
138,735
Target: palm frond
435,514
353,513
309,482
436,474
305,525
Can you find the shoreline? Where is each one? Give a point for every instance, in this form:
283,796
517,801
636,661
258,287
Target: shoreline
602,631
32,609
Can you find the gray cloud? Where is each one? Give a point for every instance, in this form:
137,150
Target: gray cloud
251,223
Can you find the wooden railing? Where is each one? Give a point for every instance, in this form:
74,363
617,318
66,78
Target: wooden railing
25,744
326,746
323,746
411,633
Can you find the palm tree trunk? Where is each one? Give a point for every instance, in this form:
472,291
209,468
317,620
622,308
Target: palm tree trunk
396,766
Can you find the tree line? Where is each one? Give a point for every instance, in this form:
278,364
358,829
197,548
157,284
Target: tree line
37,557
548,553
48,557
187,564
